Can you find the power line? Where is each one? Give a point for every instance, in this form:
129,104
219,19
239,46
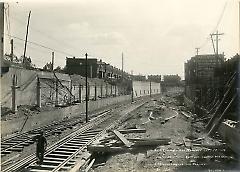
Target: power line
220,17
215,28
49,37
42,46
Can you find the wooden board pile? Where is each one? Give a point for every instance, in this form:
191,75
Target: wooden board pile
117,141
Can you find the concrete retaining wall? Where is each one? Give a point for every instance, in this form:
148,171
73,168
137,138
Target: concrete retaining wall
26,94
43,118
142,88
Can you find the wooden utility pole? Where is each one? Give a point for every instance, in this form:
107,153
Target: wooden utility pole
14,92
86,98
217,39
239,26
25,46
38,93
80,93
122,66
197,50
52,61
2,41
150,89
213,44
11,49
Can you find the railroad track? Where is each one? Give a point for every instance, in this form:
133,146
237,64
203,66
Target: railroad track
18,142
61,156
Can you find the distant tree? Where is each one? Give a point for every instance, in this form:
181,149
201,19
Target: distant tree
27,62
47,66
58,69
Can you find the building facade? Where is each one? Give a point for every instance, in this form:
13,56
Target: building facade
200,77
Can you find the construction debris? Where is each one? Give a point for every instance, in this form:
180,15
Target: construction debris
115,141
122,138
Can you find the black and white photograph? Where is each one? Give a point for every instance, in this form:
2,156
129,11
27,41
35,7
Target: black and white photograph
120,85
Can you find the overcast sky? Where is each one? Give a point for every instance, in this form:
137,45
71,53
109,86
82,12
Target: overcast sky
156,36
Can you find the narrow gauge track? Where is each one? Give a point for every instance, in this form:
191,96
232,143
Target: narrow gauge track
18,142
60,156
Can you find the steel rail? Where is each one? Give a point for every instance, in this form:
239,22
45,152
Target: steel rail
31,158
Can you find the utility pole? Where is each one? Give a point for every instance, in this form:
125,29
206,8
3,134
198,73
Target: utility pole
150,89
86,98
217,39
213,44
239,26
38,93
197,50
122,66
52,61
25,46
11,49
2,29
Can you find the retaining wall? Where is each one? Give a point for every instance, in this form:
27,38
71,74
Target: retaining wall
43,118
142,88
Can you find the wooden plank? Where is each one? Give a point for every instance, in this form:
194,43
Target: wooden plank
149,139
185,114
102,148
90,165
167,119
136,130
151,143
122,138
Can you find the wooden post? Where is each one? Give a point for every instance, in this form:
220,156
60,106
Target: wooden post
95,92
86,99
80,93
56,90
25,46
101,90
216,126
132,94
89,91
52,61
11,50
219,106
111,90
14,88
106,89
39,93
150,89
70,92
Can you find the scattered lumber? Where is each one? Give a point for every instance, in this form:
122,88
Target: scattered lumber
187,143
90,165
185,114
137,130
149,139
98,165
122,138
117,142
167,119
102,148
201,119
198,139
151,142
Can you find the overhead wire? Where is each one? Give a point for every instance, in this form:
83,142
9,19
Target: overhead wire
216,27
42,46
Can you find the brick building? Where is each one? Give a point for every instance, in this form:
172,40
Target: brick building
95,69
200,77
